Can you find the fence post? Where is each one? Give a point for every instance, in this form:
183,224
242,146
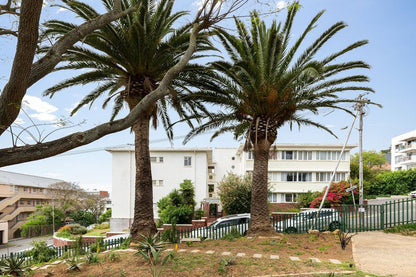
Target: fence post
381,227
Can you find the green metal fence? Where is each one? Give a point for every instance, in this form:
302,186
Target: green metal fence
379,216
66,251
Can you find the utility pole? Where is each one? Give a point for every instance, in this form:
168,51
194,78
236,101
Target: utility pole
359,107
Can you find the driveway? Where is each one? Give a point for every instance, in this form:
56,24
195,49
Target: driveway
385,254
17,245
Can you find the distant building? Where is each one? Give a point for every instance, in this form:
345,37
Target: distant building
293,169
19,196
403,151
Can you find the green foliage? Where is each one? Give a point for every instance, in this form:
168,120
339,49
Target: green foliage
41,252
171,235
405,229
370,158
232,235
235,193
225,262
102,226
105,217
393,182
41,217
151,249
126,243
92,258
199,214
82,217
337,194
113,257
13,265
178,206
77,229
304,199
97,246
78,246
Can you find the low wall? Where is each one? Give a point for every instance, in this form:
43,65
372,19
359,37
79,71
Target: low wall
281,207
279,216
184,227
60,242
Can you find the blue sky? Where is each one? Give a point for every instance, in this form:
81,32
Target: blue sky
388,25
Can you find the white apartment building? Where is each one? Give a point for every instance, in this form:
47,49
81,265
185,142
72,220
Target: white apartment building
403,151
293,169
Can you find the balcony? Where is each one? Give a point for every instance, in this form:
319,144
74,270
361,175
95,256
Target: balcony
408,148
408,160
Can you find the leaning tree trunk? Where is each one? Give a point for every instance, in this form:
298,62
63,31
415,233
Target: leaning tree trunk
143,222
260,221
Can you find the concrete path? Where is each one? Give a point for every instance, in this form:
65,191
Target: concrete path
17,245
385,254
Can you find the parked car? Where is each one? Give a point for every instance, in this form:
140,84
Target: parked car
326,219
222,226
412,194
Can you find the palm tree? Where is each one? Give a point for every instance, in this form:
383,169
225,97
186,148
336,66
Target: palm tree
267,84
127,59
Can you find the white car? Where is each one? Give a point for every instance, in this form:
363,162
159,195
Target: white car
326,219
412,194
222,226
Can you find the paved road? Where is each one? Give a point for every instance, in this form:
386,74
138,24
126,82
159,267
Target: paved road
21,244
385,254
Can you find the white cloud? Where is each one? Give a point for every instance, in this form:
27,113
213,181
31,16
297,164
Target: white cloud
19,121
61,10
281,5
43,110
38,105
44,116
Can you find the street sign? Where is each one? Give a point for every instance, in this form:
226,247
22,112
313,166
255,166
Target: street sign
351,188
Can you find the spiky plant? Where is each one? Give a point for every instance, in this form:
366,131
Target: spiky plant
268,83
127,60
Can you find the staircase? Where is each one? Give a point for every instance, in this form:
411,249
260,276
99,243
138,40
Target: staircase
17,212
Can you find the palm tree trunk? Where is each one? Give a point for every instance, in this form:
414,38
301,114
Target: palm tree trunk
143,222
260,221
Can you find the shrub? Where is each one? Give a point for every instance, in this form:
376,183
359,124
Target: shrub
337,195
13,265
77,229
304,199
171,235
97,246
126,243
235,193
199,214
78,246
83,218
104,217
102,226
233,234
41,252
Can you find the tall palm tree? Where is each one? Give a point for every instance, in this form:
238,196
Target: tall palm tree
268,83
127,59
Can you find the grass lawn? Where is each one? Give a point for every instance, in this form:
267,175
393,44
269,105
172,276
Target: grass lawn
97,232
304,246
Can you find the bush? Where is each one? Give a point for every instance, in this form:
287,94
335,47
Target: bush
199,214
171,235
235,193
178,206
40,252
337,195
77,229
102,226
104,217
304,199
83,218
97,246
393,182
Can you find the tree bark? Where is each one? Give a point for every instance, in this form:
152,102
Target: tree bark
260,221
143,222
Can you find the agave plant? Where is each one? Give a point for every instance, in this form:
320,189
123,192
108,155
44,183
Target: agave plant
13,265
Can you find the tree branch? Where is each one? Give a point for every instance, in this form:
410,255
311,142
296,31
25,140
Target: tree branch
14,155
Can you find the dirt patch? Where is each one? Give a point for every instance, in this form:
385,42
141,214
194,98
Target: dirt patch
304,246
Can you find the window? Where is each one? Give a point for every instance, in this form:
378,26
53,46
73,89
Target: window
22,202
326,176
289,155
211,188
40,190
296,176
273,176
16,188
154,182
153,159
233,166
273,155
290,197
273,197
187,161
37,202
304,155
29,202
34,190
250,155
233,158
160,159
157,183
329,155
160,183
24,189
11,188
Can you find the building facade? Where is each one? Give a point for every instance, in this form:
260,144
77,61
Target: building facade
293,169
19,196
403,151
